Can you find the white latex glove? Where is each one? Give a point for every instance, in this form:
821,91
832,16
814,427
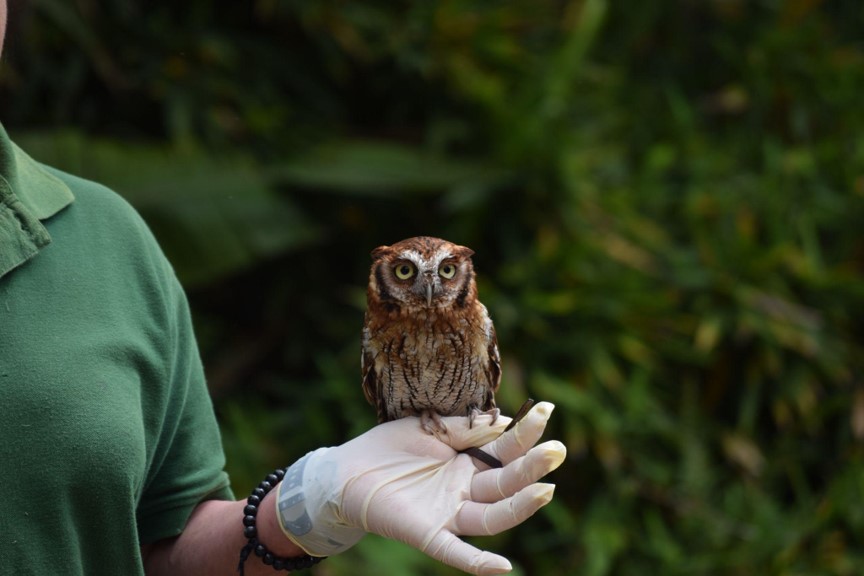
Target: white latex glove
398,481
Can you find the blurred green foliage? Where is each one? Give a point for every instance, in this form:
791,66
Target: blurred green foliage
666,201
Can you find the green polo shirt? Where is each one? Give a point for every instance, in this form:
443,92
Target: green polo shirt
107,433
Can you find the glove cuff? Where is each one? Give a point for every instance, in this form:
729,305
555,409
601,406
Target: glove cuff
307,505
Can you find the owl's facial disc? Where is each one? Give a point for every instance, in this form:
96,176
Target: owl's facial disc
427,275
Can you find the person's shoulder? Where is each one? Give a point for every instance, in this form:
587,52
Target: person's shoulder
105,224
104,212
96,197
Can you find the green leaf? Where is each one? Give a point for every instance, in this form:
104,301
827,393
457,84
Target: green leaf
378,168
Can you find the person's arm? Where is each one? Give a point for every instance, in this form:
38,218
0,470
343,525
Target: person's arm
211,542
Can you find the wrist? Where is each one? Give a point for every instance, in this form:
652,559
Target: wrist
255,545
270,533
309,505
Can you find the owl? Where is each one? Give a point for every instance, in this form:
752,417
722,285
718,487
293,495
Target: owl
429,347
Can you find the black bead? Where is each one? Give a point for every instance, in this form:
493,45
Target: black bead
280,473
268,558
260,550
272,479
265,486
254,500
250,532
250,510
259,493
249,520
279,564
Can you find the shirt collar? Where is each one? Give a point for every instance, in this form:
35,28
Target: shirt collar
28,195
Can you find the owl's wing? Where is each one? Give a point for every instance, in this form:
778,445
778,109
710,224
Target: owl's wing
494,369
371,384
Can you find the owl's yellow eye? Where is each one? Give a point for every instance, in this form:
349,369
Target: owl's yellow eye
447,271
404,271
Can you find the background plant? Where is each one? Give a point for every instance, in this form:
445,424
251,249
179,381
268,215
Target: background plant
665,199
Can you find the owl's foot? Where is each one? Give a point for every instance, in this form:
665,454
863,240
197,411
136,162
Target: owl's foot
431,422
474,412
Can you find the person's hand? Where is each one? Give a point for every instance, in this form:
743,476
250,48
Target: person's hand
398,481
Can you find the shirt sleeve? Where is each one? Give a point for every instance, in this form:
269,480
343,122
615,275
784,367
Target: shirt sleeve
185,455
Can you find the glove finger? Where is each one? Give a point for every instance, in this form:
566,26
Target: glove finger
493,485
447,548
475,519
517,441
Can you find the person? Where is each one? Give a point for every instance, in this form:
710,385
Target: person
111,460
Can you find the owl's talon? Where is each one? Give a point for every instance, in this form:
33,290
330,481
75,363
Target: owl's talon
473,412
494,412
432,423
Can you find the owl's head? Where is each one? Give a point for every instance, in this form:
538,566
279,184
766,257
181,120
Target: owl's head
422,272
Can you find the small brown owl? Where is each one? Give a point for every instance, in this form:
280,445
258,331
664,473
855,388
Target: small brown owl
429,347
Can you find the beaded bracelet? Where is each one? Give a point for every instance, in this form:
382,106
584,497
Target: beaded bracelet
250,516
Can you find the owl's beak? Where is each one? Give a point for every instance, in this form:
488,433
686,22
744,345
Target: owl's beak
429,294
426,288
